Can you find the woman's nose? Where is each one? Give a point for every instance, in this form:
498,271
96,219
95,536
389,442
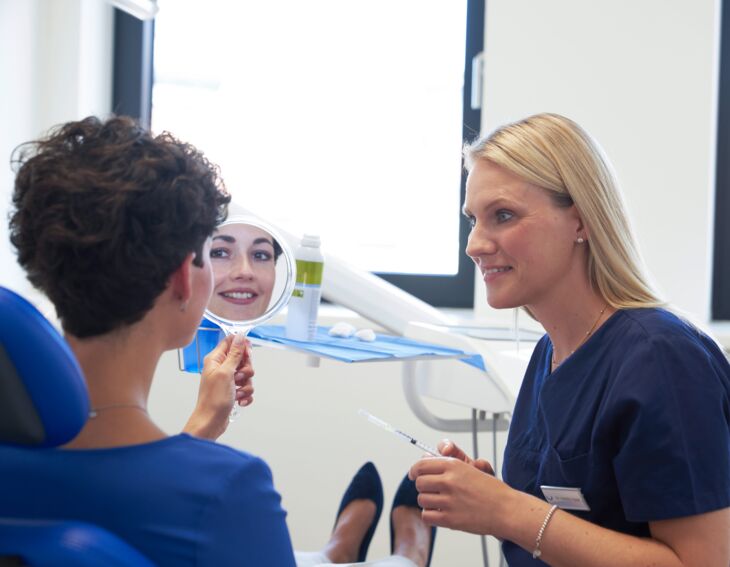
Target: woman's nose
479,244
241,269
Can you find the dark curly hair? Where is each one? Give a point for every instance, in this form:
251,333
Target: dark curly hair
103,214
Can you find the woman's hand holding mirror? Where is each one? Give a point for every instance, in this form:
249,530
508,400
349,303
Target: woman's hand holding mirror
227,371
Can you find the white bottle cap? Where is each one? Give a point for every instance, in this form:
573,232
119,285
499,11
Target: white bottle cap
311,240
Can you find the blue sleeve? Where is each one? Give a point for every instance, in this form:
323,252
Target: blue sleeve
673,414
246,526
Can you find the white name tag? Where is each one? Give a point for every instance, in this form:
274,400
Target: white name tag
565,498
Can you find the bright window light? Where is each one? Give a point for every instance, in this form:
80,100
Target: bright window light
341,118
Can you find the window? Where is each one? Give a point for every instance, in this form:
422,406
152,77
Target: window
341,118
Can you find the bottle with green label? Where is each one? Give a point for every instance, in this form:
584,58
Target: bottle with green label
301,320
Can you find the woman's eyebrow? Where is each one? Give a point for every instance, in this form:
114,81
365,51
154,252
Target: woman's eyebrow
498,202
224,238
263,240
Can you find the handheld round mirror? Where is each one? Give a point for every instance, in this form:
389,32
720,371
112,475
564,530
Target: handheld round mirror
253,274
253,278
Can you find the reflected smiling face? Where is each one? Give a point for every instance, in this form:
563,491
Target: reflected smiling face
244,270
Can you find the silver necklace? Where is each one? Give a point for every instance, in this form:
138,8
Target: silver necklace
95,411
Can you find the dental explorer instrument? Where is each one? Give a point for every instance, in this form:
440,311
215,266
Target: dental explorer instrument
407,438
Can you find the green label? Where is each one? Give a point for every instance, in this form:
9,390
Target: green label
309,273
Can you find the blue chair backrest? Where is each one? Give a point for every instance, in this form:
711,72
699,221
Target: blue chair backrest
43,397
44,403
40,543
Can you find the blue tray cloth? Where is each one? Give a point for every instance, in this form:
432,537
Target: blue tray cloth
384,347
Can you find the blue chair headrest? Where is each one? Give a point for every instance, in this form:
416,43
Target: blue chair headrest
43,396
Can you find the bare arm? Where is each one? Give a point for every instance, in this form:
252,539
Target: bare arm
454,494
568,541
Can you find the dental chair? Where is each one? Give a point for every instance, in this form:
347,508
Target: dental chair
44,404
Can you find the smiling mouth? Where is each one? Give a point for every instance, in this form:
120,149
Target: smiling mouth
491,274
490,271
239,297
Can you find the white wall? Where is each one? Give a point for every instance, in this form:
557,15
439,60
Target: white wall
640,75
17,75
55,66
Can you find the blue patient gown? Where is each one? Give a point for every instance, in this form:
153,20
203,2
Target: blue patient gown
638,419
179,501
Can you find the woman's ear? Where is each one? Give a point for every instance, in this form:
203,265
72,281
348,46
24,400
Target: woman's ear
181,282
581,230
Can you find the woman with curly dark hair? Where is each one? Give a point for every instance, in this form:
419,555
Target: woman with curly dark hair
114,225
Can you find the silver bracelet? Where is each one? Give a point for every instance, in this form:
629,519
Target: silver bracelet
537,553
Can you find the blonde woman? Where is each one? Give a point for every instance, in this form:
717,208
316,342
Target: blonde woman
625,407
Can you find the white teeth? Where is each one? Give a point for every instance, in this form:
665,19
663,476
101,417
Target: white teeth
495,270
238,295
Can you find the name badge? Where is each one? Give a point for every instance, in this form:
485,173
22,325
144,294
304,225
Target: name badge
565,498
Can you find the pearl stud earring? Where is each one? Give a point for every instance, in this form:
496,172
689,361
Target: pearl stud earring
580,240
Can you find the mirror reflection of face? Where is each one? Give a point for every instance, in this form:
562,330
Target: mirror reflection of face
243,258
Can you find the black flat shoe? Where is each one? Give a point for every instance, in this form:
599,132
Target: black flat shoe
407,495
364,485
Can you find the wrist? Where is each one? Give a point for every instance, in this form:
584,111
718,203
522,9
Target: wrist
521,519
198,426
506,519
520,516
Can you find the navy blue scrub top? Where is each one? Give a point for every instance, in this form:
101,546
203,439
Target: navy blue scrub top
638,419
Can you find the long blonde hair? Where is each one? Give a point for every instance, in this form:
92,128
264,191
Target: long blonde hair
554,153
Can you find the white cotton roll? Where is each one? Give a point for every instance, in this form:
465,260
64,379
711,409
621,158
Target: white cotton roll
367,335
342,330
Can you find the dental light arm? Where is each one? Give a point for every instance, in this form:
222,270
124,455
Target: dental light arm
372,297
